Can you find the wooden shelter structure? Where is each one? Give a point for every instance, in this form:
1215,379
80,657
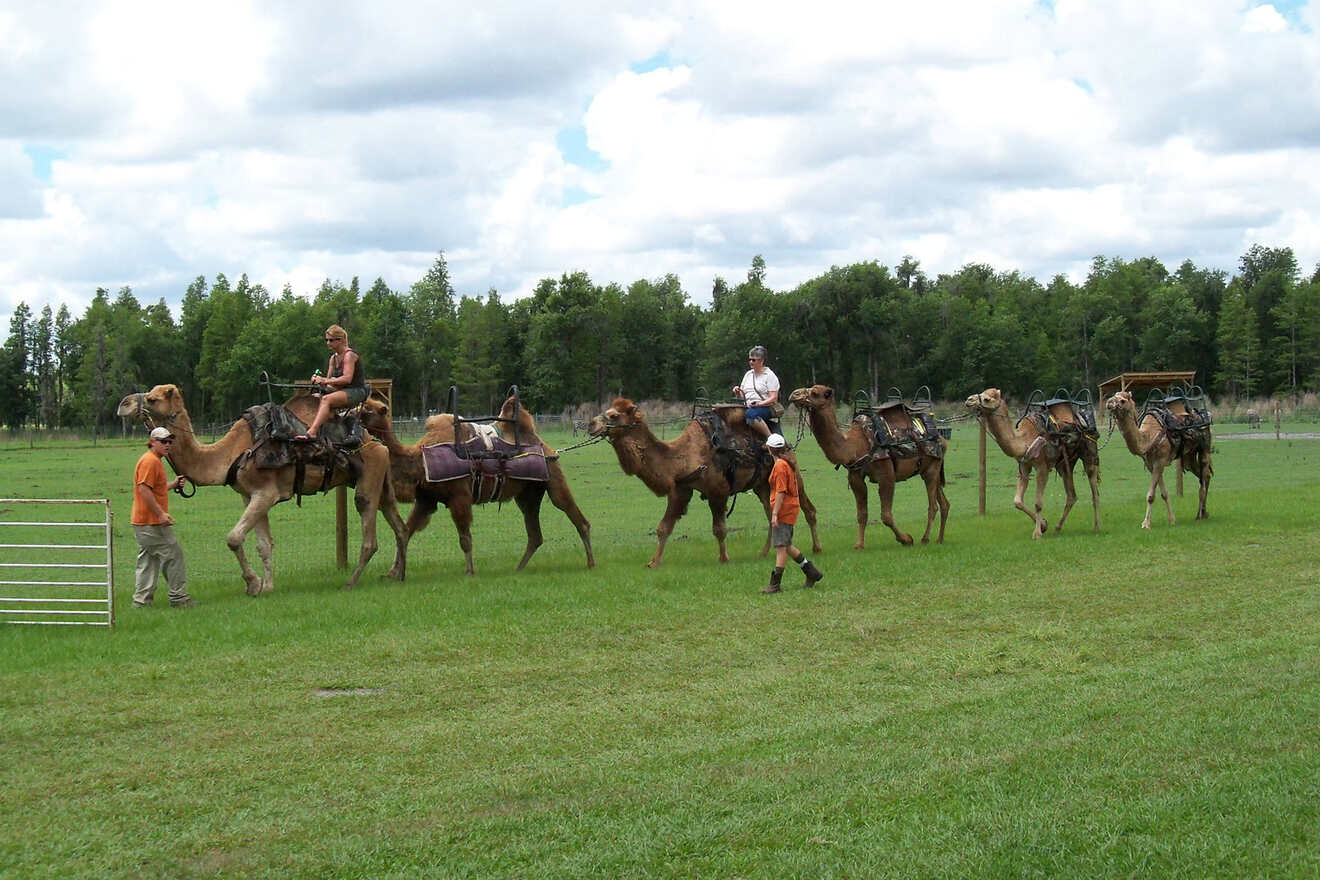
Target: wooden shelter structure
1138,381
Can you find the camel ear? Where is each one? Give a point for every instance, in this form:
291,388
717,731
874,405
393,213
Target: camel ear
829,393
630,409
169,392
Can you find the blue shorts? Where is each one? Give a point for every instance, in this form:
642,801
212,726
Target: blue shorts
758,414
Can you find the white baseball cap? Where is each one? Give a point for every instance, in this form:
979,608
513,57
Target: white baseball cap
775,441
161,433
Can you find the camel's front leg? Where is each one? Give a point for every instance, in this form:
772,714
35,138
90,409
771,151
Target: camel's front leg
809,511
931,478
763,495
1019,498
266,550
366,508
857,483
529,502
255,511
389,505
674,510
1156,482
943,501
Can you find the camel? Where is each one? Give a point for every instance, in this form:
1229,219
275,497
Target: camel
263,488
689,464
1033,451
853,451
409,483
1153,445
1253,419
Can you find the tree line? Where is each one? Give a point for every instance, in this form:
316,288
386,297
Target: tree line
861,326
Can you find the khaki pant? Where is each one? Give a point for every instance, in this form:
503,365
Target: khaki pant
159,552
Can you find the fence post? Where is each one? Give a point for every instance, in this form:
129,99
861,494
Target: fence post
980,456
341,526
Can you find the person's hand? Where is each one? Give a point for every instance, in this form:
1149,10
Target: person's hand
178,483
774,520
737,390
169,520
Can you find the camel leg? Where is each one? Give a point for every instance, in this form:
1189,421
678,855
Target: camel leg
1204,472
529,502
719,526
943,501
674,510
460,511
931,478
1156,482
885,481
857,483
809,511
1024,478
1069,490
255,510
389,506
366,508
266,550
562,497
1093,478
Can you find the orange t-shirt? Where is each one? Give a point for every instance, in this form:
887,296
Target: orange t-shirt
782,479
151,471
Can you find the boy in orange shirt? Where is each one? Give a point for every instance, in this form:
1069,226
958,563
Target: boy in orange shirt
158,548
784,508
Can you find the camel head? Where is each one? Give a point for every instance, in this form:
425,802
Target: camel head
160,406
1121,403
815,397
526,424
374,414
621,415
987,402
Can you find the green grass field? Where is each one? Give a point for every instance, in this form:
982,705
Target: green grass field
1092,705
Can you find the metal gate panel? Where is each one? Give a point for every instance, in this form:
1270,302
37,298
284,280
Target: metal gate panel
49,575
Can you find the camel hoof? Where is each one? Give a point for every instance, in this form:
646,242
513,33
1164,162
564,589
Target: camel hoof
858,546
1146,526
925,541
254,586
906,540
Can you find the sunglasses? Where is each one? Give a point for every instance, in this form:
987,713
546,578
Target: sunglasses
166,442
333,338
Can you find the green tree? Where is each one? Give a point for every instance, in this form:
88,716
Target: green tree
430,304
1239,346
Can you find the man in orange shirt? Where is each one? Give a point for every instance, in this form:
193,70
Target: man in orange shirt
784,508
159,549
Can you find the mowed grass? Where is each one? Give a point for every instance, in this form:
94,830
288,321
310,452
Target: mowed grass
1092,705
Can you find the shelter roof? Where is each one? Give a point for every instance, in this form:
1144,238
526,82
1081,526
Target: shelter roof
1127,381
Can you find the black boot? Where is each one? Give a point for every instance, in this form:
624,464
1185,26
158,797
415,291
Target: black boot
812,572
776,575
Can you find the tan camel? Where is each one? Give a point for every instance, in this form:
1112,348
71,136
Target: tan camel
1253,419
852,450
1153,445
689,464
1033,451
263,488
409,481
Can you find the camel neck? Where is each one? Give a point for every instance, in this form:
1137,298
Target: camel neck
207,464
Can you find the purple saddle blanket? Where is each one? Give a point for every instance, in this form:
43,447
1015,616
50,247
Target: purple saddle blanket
442,462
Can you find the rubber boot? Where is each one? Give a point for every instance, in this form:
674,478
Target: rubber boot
813,574
776,575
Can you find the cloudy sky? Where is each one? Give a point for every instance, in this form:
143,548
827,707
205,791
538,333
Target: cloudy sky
146,142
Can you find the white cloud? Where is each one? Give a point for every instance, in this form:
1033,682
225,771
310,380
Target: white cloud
302,141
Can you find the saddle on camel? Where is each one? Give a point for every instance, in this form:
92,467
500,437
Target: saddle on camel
897,429
1066,428
478,453
279,439
1182,416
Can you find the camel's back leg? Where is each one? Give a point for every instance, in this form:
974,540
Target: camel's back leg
366,499
1065,469
389,505
1023,480
943,501
857,483
1093,478
1204,471
529,502
719,525
883,473
562,497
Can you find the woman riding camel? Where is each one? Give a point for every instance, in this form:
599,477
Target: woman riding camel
759,389
344,385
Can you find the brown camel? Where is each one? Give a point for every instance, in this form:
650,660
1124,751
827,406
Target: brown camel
1253,419
409,481
1152,443
689,464
1034,451
853,450
263,488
